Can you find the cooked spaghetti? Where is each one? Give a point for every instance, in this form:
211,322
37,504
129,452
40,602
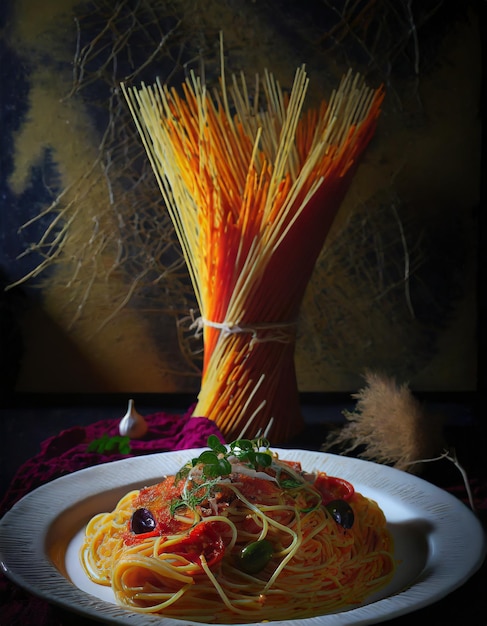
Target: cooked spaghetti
239,535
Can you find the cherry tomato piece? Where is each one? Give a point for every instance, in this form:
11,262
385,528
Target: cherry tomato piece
333,488
202,540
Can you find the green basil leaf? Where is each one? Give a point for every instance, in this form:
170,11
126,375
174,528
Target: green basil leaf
110,444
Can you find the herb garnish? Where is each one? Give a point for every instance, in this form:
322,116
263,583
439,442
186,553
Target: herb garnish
216,463
117,443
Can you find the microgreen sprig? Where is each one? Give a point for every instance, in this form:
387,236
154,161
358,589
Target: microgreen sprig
217,461
249,451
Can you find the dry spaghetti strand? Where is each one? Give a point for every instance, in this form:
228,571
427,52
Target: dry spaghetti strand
252,197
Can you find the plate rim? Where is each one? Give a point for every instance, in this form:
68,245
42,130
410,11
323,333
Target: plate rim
413,490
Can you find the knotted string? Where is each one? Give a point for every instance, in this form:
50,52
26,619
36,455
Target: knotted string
284,332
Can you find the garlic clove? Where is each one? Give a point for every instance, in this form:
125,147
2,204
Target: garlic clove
132,425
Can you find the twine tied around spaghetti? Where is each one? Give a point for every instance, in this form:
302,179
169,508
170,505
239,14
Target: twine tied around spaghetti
263,332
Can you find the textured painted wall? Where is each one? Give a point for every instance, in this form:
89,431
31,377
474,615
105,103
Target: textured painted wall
103,301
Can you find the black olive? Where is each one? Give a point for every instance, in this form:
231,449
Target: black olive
142,522
341,512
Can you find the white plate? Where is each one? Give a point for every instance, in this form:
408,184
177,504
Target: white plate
438,540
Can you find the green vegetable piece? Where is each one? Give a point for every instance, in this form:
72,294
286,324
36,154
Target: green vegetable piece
255,556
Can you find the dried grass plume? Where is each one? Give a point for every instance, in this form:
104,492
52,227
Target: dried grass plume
391,424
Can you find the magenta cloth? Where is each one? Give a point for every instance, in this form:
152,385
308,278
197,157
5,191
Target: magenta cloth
66,453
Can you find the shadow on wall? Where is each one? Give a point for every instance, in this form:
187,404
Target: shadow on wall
12,305
36,354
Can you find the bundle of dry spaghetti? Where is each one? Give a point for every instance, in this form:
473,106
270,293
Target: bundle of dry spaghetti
252,184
